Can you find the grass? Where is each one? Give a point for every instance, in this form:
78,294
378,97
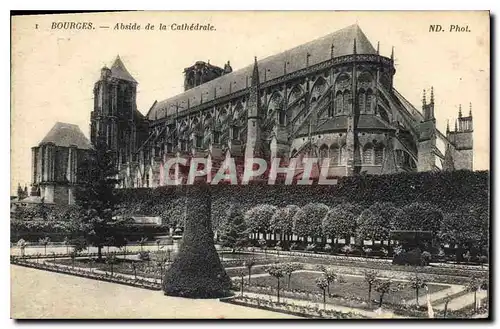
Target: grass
354,287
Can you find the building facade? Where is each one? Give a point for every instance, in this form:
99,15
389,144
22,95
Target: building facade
332,98
55,164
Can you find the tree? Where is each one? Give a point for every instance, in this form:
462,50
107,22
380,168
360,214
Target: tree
417,283
322,284
96,197
370,278
282,220
66,242
258,218
473,285
22,245
308,220
235,232
158,242
375,222
276,271
44,242
419,216
111,260
196,271
249,263
142,242
341,221
330,277
241,275
447,300
289,268
383,287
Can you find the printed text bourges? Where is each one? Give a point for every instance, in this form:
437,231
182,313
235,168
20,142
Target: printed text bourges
133,26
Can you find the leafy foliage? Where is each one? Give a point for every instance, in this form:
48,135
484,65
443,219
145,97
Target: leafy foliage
282,219
307,221
419,217
341,221
259,217
235,232
375,222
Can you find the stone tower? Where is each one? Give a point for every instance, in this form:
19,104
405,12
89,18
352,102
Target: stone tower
253,143
462,140
427,136
114,107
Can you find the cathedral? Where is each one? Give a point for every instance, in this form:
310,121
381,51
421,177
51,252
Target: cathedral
331,98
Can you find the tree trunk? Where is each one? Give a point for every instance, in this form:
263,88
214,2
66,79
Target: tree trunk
241,286
278,290
445,309
249,274
369,293
380,301
324,299
417,297
328,287
99,252
289,279
475,301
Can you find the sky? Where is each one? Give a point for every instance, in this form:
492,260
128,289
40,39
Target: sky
53,71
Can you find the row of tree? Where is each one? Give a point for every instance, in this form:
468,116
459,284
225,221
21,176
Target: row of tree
317,220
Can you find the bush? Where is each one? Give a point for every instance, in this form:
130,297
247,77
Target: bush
196,271
144,255
413,257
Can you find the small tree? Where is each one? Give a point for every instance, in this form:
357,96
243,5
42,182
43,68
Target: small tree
263,245
383,287
330,277
370,279
241,275
447,300
142,242
158,242
134,268
66,242
322,284
327,248
234,234
289,268
111,260
22,245
249,264
44,242
473,285
73,255
417,283
277,272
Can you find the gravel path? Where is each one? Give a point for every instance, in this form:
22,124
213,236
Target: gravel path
39,294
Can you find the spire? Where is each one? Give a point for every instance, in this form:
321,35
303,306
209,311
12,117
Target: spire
470,109
378,47
392,54
460,110
331,50
354,47
456,125
118,70
432,95
447,126
424,102
255,74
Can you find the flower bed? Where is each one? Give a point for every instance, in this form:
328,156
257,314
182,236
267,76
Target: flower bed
140,283
314,312
80,254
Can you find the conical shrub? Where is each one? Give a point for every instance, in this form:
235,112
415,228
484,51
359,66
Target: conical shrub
197,271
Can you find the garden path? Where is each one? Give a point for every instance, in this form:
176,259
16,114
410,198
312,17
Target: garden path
462,301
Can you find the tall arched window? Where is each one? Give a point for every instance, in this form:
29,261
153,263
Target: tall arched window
368,154
339,104
334,155
379,154
323,152
343,155
369,100
347,101
361,100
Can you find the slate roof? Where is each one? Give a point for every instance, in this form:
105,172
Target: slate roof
66,134
119,71
269,68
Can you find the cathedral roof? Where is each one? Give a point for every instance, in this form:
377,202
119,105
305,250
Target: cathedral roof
272,67
66,135
119,71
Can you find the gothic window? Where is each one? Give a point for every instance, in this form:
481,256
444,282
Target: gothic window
379,154
361,100
369,100
339,102
282,117
368,154
323,152
199,141
236,132
317,90
383,114
169,148
343,155
216,136
346,101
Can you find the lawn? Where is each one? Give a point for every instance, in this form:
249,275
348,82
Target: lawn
354,287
